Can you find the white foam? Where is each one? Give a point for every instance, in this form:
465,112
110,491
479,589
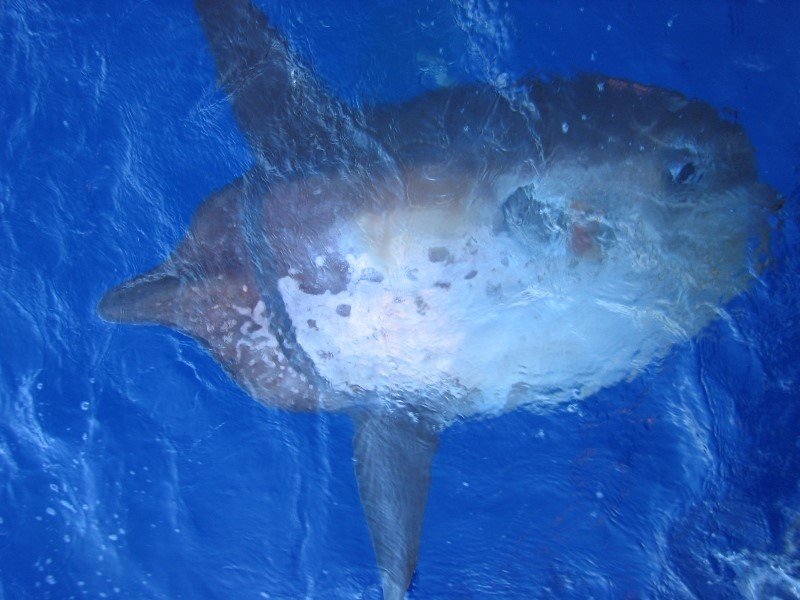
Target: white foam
760,575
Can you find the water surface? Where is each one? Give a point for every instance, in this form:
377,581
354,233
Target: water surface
130,465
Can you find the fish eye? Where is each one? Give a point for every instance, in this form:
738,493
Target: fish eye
685,173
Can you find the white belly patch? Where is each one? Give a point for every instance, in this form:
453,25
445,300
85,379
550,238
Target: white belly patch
465,311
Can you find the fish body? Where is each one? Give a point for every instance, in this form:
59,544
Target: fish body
467,252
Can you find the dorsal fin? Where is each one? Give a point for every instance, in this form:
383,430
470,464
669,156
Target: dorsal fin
287,117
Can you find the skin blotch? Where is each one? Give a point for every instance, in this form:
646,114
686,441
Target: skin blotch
422,306
372,276
343,310
494,290
445,285
471,274
439,254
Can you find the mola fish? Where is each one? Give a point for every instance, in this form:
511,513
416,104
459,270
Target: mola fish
463,253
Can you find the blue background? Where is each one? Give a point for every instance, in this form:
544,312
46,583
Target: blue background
130,466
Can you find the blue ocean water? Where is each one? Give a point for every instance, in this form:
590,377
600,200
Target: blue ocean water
132,467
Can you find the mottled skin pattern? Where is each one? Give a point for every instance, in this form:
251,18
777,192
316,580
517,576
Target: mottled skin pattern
465,252
208,290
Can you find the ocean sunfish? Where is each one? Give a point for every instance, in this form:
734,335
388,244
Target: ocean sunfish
466,252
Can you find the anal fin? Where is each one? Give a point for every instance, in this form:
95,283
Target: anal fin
393,456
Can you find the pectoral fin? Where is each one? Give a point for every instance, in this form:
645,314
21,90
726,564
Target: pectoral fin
393,455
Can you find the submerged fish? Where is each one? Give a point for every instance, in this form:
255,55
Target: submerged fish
464,253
